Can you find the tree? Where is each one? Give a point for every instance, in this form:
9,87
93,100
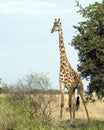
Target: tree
89,41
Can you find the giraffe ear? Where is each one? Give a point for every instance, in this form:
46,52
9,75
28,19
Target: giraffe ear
55,19
58,19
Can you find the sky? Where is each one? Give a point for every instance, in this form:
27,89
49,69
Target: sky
26,42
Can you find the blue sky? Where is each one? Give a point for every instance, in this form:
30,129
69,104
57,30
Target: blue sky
26,44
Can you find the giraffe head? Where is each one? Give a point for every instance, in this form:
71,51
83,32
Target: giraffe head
56,26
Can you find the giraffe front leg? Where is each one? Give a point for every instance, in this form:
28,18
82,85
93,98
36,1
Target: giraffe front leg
73,110
71,104
62,100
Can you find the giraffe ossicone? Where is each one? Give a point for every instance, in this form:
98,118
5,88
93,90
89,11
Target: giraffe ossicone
68,77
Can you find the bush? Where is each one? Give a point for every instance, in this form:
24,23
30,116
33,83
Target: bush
28,106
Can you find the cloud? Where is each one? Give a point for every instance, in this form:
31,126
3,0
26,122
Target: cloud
23,6
32,7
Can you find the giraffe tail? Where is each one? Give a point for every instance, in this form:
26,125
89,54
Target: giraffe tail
77,103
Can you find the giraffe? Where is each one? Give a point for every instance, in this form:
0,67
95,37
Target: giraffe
68,78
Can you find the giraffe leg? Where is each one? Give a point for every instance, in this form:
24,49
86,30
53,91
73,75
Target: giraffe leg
82,97
73,100
80,90
62,100
72,121
70,108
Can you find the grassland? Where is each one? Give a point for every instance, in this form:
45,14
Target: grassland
19,115
96,113
95,109
30,104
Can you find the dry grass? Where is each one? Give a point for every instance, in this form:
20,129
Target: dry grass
96,111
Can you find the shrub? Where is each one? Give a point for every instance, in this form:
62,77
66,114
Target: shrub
28,106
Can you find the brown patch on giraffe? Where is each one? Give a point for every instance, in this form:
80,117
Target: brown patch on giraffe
62,51
67,69
67,75
63,63
61,40
61,46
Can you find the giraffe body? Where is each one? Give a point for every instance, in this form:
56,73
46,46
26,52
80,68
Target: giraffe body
68,77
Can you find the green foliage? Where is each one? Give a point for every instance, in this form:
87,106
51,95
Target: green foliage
89,41
23,108
3,88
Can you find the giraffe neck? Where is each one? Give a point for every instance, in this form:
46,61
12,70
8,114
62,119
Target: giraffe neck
63,56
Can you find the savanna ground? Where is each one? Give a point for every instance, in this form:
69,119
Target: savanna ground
96,113
19,114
